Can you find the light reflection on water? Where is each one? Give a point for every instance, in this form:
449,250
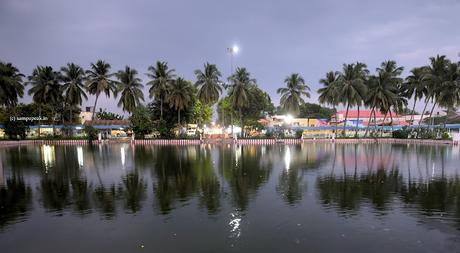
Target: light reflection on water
320,197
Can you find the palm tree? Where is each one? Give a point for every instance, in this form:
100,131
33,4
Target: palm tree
46,88
73,88
329,94
208,83
292,95
162,78
381,96
11,85
435,77
240,91
352,85
392,72
449,94
130,88
99,81
180,96
414,86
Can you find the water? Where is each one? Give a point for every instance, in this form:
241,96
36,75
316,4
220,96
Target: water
293,198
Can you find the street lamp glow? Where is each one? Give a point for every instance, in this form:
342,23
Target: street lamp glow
235,49
288,119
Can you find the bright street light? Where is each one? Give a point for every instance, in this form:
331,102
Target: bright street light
235,49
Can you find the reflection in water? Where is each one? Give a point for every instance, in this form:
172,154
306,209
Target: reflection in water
222,186
48,156
80,156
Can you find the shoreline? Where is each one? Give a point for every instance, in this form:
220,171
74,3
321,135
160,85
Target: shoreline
182,142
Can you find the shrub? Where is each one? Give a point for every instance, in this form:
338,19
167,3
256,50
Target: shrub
91,132
401,134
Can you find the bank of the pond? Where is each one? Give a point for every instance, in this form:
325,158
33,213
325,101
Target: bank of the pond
228,141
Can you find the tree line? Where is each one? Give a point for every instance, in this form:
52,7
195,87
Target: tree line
238,97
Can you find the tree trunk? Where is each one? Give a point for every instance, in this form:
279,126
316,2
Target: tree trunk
346,117
241,120
161,109
412,113
357,124
447,116
391,116
383,123
431,113
94,108
178,118
336,126
40,121
71,121
423,112
369,122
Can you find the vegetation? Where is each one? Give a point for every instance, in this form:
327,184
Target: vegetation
58,95
141,122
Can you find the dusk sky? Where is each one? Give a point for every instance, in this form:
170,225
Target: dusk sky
275,38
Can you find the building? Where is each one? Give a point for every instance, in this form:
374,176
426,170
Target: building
289,121
363,120
86,115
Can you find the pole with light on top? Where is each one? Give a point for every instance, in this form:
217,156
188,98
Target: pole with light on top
232,51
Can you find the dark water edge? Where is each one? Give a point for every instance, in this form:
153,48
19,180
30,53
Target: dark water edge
314,197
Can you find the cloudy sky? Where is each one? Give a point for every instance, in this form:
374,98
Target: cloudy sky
275,38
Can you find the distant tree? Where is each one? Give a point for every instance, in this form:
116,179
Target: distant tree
240,89
292,95
99,81
209,84
105,115
73,88
162,79
141,122
315,111
180,96
130,89
11,85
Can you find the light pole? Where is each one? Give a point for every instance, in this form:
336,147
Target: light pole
232,51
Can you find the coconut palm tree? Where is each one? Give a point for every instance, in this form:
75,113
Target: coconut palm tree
11,85
180,96
46,88
130,89
381,96
391,72
73,87
209,84
239,91
436,75
292,95
352,86
329,94
414,86
98,81
162,78
449,94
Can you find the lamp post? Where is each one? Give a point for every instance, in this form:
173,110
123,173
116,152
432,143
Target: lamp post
232,51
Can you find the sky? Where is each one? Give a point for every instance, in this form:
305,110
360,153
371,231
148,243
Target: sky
276,38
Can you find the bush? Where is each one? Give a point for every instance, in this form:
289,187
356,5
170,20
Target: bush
141,123
445,136
91,132
401,134
298,134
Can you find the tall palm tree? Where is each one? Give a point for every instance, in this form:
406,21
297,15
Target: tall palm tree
73,87
46,88
414,86
180,96
391,72
209,84
130,89
437,71
352,85
329,93
449,94
292,95
381,96
99,81
11,85
162,79
240,91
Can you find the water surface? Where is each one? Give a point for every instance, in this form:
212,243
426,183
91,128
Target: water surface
276,198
